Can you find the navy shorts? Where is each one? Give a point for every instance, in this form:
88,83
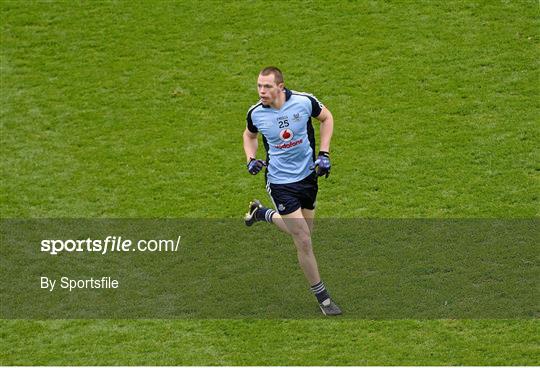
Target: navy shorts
288,198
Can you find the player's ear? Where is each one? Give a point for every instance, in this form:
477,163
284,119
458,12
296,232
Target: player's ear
281,86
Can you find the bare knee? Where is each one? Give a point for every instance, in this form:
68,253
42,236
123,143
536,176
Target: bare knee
302,240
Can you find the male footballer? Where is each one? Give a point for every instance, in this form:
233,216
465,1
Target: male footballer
283,117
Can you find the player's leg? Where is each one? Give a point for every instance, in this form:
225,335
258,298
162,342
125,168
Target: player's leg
278,220
296,205
309,215
288,217
266,214
308,198
298,228
258,212
300,231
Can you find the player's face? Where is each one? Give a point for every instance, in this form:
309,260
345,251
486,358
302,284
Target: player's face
268,89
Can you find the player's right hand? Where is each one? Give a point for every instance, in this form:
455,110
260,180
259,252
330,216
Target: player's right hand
254,166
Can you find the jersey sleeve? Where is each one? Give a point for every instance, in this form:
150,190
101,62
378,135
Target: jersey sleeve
250,126
316,106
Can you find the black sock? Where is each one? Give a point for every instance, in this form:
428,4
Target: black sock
320,292
264,214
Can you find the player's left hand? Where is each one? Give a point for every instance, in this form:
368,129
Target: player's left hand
322,164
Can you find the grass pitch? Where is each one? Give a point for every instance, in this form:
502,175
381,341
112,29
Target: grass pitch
120,109
260,342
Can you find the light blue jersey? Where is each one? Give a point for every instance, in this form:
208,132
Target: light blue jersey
288,136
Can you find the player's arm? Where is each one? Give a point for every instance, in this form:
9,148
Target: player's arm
327,128
322,165
250,148
250,144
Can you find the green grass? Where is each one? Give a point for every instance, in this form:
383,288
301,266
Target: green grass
259,342
135,110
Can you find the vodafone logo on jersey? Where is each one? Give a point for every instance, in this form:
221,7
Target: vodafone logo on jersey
286,135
